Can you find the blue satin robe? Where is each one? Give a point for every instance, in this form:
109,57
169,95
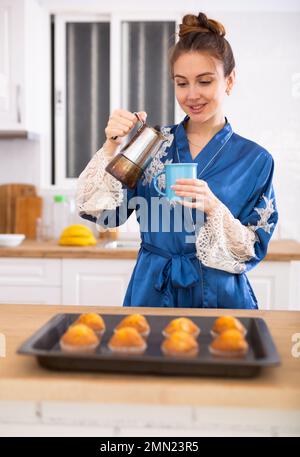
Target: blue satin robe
167,272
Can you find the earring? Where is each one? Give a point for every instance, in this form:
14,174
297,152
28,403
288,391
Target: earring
227,91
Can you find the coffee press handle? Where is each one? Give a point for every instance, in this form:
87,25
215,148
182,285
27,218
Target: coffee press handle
155,183
141,121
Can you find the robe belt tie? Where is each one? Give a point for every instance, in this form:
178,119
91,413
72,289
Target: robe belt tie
178,269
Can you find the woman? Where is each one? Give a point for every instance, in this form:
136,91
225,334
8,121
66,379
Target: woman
233,190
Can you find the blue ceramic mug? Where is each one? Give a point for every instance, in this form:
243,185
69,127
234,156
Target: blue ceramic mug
173,172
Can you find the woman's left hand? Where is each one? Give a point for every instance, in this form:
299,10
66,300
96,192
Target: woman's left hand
198,190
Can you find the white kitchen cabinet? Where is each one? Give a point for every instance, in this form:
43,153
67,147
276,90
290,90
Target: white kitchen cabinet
103,282
33,295
30,281
294,285
64,281
23,36
271,284
95,282
30,272
10,65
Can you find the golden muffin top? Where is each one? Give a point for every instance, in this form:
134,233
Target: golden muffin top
182,324
230,340
180,341
136,321
227,323
92,320
126,337
79,334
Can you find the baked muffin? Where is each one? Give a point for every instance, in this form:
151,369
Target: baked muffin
182,324
230,343
127,340
79,338
180,344
136,321
227,323
94,321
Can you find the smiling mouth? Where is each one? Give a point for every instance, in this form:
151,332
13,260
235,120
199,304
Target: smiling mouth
197,107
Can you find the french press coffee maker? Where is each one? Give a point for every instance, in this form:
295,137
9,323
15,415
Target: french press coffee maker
130,163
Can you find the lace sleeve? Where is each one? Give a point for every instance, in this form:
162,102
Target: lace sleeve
224,243
97,190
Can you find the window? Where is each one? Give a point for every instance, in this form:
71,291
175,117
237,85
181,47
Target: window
102,63
145,79
87,91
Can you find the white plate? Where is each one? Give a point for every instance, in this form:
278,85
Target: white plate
11,240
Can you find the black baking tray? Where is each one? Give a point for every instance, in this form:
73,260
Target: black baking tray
44,345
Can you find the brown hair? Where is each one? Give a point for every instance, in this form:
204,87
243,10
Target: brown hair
198,33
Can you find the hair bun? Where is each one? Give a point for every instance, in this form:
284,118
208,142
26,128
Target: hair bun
211,24
200,24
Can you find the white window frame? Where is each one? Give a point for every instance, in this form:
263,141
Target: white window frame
115,20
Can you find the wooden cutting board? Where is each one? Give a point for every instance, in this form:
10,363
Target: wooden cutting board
8,195
28,210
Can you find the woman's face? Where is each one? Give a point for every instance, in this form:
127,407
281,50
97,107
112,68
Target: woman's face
200,85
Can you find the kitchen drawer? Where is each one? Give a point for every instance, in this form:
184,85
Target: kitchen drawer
30,295
30,272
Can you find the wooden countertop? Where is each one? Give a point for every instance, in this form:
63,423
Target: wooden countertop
52,250
279,250
21,378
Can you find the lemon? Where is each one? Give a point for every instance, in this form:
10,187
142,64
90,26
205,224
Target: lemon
77,230
77,235
77,241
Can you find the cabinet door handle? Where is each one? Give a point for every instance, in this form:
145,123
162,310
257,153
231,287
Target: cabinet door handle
18,103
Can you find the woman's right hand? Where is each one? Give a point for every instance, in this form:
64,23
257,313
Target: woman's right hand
120,123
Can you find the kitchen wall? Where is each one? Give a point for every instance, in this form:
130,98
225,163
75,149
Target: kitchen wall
264,105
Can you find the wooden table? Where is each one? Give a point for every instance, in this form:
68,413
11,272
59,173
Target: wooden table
21,378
